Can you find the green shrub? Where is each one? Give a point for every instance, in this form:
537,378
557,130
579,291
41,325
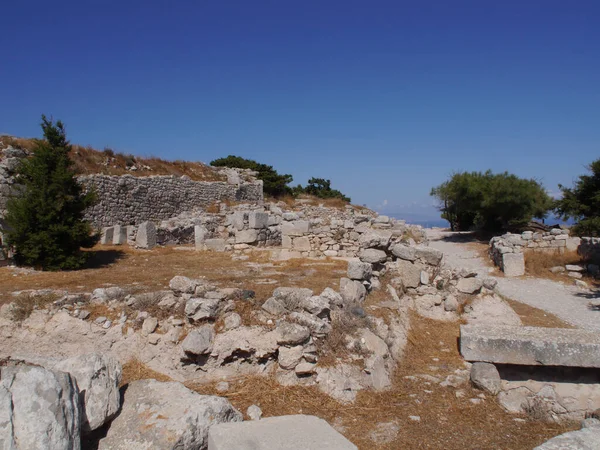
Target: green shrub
274,184
582,203
46,226
320,188
491,202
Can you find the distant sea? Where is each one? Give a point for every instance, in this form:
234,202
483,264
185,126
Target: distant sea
441,223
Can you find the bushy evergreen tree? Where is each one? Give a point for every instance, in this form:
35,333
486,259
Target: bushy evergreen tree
491,202
582,202
46,219
321,188
274,184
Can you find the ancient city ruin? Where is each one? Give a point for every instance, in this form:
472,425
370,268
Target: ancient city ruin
214,318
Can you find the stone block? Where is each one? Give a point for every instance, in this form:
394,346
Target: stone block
146,236
286,242
295,228
258,220
200,233
302,244
216,245
573,244
107,236
358,270
119,235
373,256
237,220
513,264
530,346
298,432
246,236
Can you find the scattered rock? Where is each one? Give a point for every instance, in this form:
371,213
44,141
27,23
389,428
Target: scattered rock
469,285
199,341
165,416
372,256
254,412
358,270
485,376
291,333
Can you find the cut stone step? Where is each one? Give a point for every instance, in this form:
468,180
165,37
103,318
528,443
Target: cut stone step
297,432
530,346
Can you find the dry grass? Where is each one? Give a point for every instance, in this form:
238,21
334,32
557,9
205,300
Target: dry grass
539,263
446,422
134,370
26,303
147,271
534,317
91,161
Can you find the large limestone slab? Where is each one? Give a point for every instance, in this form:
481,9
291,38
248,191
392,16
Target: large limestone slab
513,264
119,235
584,439
530,346
298,432
146,236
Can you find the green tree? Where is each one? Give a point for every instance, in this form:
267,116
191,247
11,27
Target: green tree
46,225
582,202
274,184
491,202
321,188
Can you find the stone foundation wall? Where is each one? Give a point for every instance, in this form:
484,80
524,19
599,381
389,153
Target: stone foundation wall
129,200
507,251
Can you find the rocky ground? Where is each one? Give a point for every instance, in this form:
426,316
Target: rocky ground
367,343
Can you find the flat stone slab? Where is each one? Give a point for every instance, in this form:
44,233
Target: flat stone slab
530,346
298,432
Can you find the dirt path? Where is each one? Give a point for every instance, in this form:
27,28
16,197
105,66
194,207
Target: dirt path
569,303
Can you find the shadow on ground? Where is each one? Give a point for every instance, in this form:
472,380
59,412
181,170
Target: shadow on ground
103,258
548,374
466,237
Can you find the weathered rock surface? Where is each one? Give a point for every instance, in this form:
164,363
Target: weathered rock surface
584,439
530,345
358,270
469,285
353,292
198,341
165,416
98,377
492,310
39,408
297,432
485,376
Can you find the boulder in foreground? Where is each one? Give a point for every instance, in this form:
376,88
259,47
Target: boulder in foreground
166,416
298,432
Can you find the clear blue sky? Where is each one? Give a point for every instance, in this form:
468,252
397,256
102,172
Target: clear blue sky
385,98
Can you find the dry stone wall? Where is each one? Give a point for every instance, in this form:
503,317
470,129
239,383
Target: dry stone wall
507,251
130,200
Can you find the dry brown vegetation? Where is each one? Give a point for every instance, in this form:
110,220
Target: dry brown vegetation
539,263
534,317
446,421
25,303
135,370
146,271
108,162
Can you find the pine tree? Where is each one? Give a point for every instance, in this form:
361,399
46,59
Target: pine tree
46,219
